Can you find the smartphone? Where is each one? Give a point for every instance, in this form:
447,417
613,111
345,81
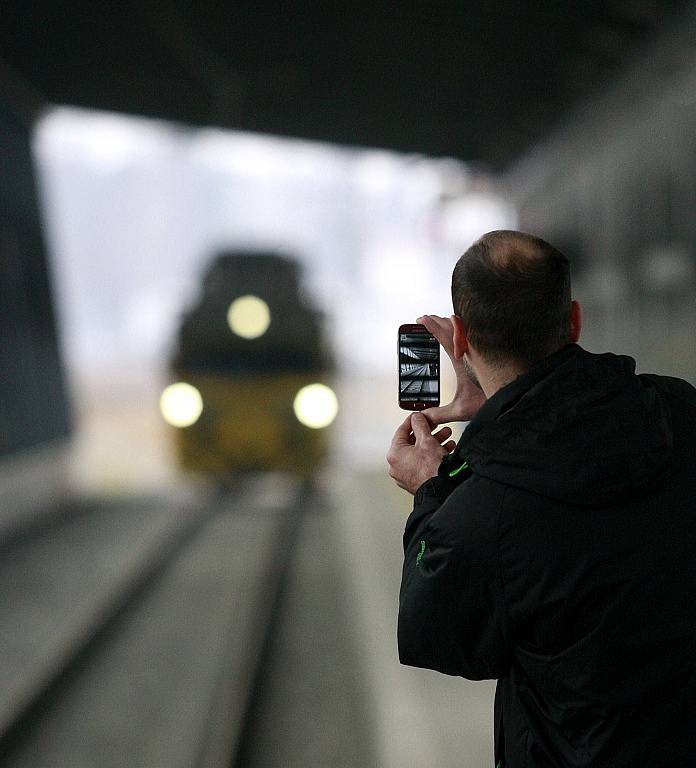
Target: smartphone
419,368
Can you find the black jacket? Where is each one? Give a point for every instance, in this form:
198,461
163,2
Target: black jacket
556,552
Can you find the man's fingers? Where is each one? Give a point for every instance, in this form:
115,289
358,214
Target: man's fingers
421,426
442,434
441,414
401,436
435,323
450,446
441,328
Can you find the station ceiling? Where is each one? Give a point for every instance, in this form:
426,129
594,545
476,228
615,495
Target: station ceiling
480,80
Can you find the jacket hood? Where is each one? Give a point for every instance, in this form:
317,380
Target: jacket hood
577,427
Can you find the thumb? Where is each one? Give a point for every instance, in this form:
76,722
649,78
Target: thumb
441,414
401,436
420,426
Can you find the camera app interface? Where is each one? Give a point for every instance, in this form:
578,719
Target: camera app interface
418,367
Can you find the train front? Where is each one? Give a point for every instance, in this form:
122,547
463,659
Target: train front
250,385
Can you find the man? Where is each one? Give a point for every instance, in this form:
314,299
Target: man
554,547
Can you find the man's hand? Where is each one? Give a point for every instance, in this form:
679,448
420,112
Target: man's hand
415,454
468,397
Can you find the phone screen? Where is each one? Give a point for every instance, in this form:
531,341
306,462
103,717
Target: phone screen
419,368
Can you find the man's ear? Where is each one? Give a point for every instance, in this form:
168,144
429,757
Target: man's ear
575,321
459,339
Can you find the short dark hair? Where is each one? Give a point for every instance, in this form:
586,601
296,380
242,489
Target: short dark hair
512,291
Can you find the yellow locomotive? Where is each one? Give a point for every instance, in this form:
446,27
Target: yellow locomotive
250,372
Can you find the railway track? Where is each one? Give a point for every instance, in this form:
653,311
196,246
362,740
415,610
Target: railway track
137,634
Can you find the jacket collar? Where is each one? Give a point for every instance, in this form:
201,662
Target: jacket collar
508,395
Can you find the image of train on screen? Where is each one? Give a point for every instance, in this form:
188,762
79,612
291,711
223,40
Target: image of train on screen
251,374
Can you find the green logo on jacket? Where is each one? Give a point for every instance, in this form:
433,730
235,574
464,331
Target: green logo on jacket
458,470
420,554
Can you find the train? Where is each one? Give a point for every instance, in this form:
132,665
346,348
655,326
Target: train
251,371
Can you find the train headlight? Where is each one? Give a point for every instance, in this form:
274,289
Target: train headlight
249,317
181,404
315,406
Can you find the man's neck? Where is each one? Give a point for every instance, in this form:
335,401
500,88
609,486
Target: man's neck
493,378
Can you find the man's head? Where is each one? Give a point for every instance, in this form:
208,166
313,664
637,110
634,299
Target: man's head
511,291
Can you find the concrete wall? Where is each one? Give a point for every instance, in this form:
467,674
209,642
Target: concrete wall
34,411
615,189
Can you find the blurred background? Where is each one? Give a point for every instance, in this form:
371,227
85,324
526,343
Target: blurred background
213,219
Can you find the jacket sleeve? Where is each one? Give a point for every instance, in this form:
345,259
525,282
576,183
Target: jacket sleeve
451,608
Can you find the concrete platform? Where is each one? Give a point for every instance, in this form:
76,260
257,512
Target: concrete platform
422,718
